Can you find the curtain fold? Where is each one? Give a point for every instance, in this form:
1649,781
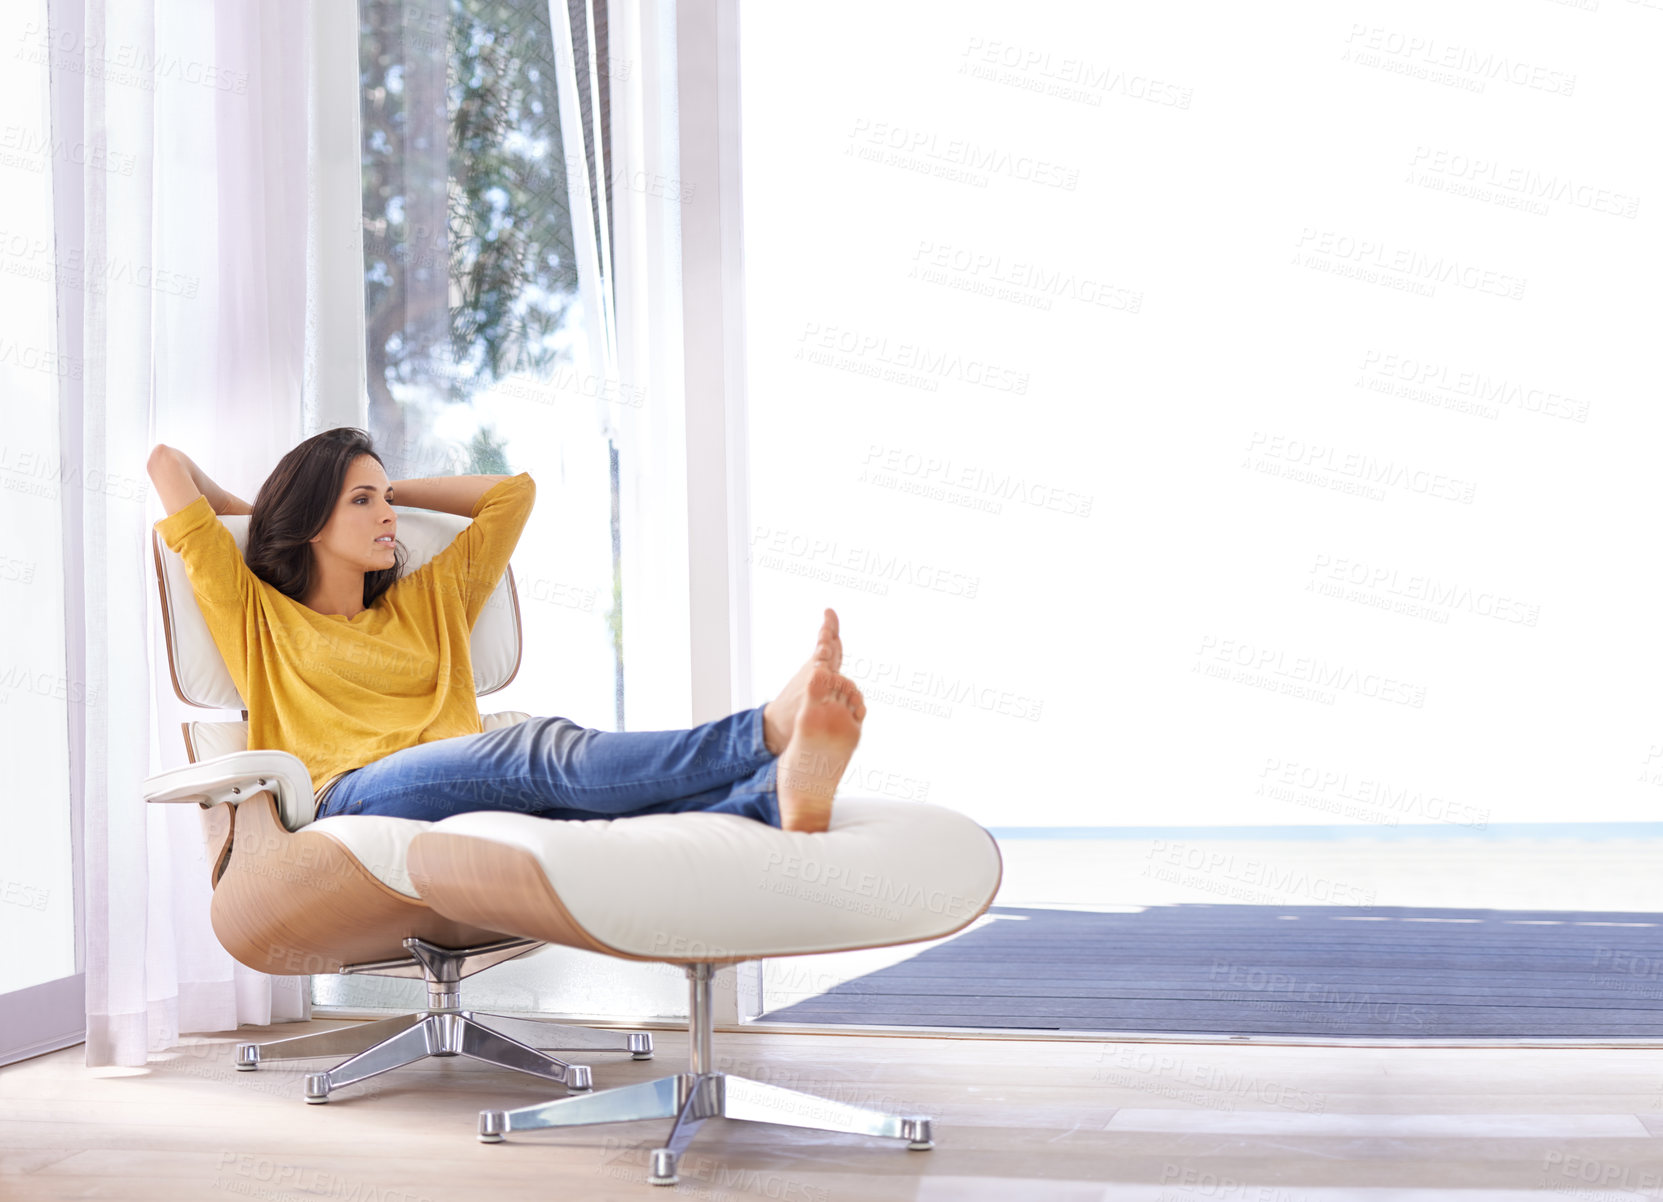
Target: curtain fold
584,105
217,307
42,688
648,199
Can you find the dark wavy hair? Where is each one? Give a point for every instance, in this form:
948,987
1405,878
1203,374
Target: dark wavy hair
295,502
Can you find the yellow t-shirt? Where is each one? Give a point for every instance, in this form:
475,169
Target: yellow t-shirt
342,692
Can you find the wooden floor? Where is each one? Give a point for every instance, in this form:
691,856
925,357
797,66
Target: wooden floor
1397,972
1024,1121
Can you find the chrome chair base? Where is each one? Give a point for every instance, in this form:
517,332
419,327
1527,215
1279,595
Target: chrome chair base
700,1094
443,1029
395,1042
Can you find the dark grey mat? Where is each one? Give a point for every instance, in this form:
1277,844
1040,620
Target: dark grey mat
1277,970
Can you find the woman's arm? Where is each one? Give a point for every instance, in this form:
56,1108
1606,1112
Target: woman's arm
179,482
447,494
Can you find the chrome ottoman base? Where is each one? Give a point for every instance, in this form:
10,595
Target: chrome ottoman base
699,1094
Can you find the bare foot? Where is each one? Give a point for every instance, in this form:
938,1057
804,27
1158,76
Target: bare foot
822,741
779,716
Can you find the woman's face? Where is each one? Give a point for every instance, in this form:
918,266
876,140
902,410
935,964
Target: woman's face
359,533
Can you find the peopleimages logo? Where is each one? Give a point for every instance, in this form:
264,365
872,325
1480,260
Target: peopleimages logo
1369,44
1490,393
1035,284
1526,182
1359,467
825,879
1440,594
887,677
1405,262
72,50
975,479
29,149
805,555
1252,876
1377,798
927,146
33,358
1248,662
824,345
1067,77
1214,1086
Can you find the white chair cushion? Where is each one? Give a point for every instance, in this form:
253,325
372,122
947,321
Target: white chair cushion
210,739
381,845
692,885
201,677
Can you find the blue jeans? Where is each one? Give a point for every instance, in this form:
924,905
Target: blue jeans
554,768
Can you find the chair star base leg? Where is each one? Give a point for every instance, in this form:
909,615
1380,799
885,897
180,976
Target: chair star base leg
541,1033
700,1094
341,1041
691,1099
445,1034
660,1099
701,1100
392,1043
443,1029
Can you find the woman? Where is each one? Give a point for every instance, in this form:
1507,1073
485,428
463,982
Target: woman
364,674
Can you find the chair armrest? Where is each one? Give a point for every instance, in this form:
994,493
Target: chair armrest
229,779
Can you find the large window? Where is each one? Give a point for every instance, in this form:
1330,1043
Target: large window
477,359
1218,426
1204,426
480,361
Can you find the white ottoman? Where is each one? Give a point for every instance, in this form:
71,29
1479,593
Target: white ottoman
704,890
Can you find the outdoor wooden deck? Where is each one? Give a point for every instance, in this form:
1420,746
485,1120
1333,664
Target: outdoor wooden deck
1394,972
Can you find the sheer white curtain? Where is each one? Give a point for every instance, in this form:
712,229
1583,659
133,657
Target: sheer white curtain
649,195
38,692
210,281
